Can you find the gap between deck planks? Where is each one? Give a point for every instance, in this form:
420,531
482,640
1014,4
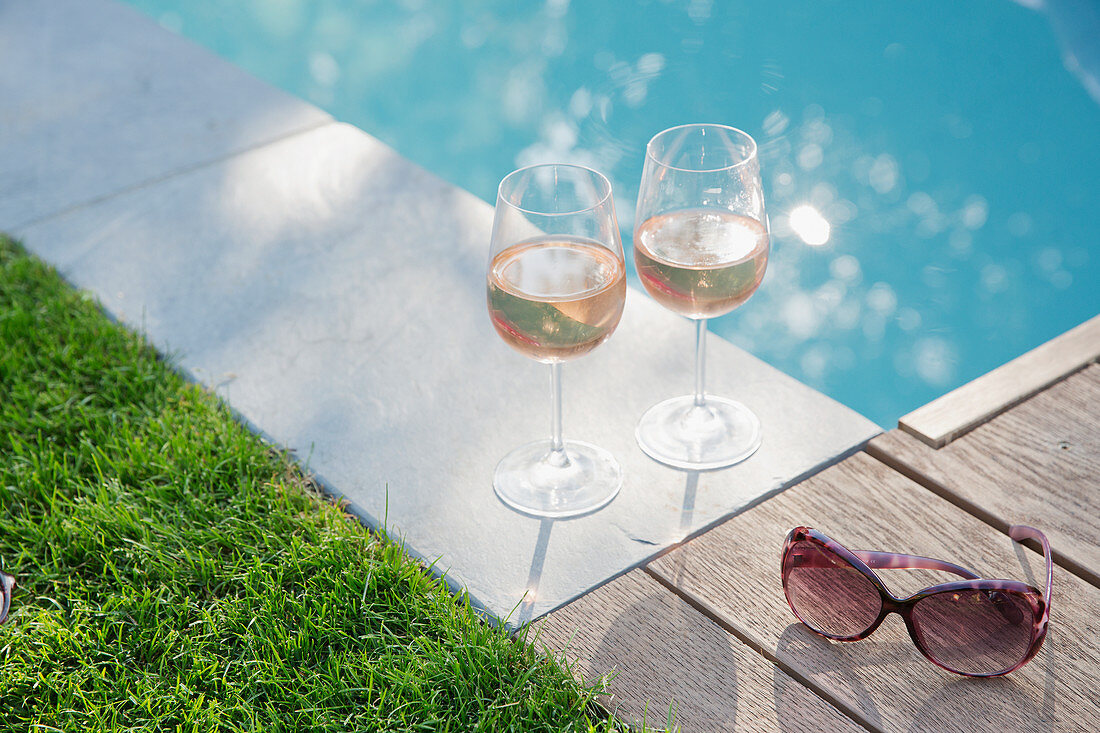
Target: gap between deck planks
732,573
959,411
1038,464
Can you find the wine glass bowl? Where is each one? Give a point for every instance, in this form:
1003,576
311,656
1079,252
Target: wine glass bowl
701,282
556,285
701,245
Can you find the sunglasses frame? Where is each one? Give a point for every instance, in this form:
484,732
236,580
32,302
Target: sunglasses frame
7,584
863,561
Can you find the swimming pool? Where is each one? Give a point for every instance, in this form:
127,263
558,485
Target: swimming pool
932,168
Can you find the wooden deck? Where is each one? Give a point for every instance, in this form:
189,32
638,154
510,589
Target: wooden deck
702,639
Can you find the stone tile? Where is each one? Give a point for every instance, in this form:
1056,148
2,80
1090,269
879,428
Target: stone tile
95,98
333,293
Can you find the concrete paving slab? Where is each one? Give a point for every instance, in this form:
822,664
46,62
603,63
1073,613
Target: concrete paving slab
334,294
95,98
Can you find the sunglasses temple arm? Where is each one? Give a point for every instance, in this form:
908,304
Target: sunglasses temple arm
894,561
8,583
1021,532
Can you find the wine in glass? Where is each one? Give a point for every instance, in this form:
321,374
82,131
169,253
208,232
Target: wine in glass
556,288
700,246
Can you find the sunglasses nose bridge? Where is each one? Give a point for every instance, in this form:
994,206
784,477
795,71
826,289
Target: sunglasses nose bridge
894,605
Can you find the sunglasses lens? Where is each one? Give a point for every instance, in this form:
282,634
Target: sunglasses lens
826,593
975,631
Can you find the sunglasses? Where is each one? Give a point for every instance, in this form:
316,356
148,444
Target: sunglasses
975,627
7,583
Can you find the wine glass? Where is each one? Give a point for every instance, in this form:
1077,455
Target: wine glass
700,246
556,289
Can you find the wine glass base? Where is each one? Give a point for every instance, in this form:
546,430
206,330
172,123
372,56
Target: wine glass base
681,434
530,481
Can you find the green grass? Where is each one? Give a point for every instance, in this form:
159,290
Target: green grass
175,573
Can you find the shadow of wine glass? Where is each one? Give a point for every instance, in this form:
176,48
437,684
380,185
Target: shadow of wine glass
638,645
687,515
687,508
534,575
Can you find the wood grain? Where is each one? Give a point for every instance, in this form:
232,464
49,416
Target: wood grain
732,573
1038,464
959,411
676,668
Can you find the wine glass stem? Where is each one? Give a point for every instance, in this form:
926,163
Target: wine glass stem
700,361
557,455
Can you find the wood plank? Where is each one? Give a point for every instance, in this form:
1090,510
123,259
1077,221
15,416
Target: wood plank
1038,464
675,667
959,411
732,573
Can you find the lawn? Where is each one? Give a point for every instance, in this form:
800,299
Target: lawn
177,573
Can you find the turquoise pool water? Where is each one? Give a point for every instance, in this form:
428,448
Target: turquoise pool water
932,168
